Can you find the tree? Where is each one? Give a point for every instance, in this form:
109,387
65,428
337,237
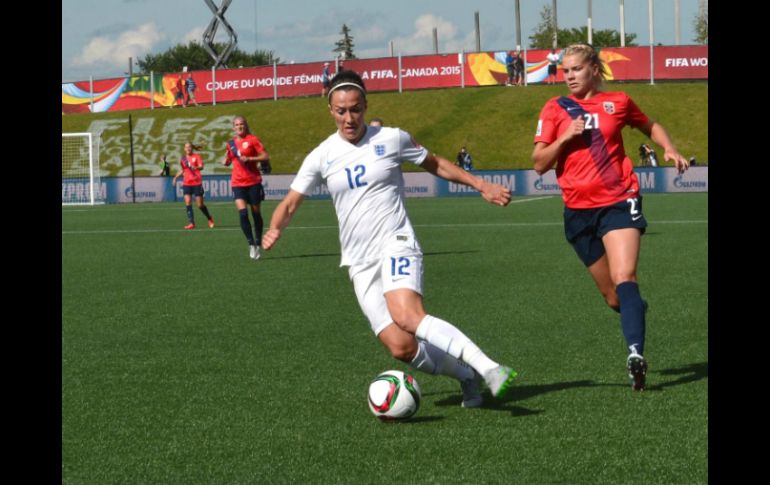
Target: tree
600,38
701,24
543,36
195,57
345,44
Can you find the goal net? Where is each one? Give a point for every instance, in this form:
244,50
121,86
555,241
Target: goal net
80,178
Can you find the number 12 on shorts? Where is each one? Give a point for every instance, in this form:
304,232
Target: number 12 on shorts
398,266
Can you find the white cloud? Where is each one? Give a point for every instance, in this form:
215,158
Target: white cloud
421,40
196,34
133,43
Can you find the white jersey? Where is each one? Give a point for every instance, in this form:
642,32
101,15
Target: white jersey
366,185
553,58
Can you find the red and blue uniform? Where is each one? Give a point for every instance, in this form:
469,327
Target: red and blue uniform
191,168
244,174
593,170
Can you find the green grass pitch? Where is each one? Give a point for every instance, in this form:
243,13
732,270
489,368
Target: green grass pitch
183,361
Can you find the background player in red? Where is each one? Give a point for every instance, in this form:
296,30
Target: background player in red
192,184
248,156
580,134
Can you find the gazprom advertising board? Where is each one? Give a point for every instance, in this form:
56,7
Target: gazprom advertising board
117,190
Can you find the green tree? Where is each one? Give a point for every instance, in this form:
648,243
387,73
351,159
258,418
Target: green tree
543,36
600,38
701,24
345,44
195,57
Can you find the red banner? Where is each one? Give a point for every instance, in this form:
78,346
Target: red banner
382,74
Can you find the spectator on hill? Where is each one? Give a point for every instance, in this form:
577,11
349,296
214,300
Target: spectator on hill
178,92
464,159
580,136
518,68
553,61
189,87
165,169
325,78
509,68
361,166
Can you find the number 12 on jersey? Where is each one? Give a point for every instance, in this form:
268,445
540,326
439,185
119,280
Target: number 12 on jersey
398,266
354,180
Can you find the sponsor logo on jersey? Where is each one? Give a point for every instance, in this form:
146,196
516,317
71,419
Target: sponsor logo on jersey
244,145
379,150
609,107
636,218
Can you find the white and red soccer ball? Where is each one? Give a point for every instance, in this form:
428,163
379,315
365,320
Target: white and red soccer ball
394,395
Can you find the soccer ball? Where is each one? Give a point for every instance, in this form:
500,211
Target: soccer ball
394,395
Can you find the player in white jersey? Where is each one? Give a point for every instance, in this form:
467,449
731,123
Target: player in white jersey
361,166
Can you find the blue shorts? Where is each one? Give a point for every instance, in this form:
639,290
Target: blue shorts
196,190
253,194
584,228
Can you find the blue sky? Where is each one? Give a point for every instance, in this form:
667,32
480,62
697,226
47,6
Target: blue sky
98,36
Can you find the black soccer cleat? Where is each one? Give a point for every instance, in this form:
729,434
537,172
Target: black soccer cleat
637,371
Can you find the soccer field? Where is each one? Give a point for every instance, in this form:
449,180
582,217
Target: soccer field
183,361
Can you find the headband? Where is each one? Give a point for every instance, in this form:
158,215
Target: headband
360,88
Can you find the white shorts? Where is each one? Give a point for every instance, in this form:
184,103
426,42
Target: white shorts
400,267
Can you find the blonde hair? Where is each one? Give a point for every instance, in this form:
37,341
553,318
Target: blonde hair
589,54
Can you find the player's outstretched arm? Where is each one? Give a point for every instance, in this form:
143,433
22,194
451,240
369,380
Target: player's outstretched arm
660,136
441,167
281,218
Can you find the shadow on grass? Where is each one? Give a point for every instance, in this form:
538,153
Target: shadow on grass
416,420
518,393
687,374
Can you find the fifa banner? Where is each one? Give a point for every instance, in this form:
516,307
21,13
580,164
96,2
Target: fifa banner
119,190
380,74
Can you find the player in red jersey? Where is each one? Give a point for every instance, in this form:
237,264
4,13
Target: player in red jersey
249,158
580,135
192,184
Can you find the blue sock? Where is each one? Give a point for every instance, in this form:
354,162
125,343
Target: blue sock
246,225
205,211
190,217
631,315
258,226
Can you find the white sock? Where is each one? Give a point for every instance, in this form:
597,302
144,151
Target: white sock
422,360
446,364
451,340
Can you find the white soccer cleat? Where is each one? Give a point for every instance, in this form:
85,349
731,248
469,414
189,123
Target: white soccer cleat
472,397
255,253
499,379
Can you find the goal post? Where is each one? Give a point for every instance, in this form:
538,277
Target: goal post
80,175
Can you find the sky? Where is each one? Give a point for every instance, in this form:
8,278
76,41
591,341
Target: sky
99,36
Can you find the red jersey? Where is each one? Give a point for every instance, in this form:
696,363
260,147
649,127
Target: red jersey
592,170
192,173
244,174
